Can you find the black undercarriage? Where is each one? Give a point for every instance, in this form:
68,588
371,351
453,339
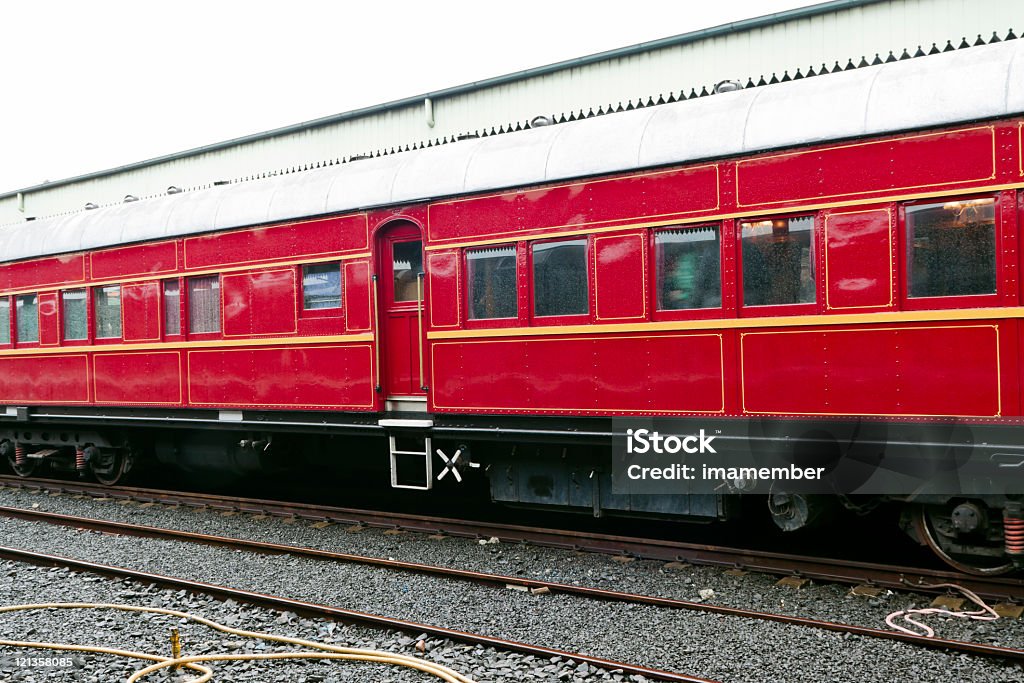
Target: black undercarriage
968,511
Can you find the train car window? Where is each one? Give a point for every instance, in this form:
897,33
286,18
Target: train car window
172,307
560,285
407,264
75,316
204,304
5,320
321,286
107,304
778,261
492,283
688,263
27,317
952,248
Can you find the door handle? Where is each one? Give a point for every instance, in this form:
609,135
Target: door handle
419,325
376,337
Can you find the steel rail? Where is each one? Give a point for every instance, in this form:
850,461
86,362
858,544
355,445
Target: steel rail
142,531
338,613
825,569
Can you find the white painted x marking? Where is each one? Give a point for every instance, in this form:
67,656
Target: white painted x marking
450,465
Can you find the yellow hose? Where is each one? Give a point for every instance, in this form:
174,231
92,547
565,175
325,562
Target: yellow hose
315,650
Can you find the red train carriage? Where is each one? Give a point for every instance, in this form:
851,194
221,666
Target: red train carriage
808,260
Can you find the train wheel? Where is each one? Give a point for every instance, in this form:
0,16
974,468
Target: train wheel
933,526
109,465
26,468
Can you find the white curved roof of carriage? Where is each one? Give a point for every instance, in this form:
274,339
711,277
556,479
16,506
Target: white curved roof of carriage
951,87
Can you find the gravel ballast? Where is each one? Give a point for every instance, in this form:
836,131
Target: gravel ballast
711,646
21,584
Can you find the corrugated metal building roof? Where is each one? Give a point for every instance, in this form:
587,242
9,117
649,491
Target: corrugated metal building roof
838,34
908,94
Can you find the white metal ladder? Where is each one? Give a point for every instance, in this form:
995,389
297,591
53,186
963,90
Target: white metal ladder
428,461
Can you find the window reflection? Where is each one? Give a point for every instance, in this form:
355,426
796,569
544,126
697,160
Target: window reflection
204,304
27,315
560,278
688,268
321,286
172,307
108,311
778,261
407,264
492,283
76,323
952,248
5,320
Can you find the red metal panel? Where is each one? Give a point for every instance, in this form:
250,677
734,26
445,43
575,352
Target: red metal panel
283,377
358,294
1007,241
672,373
620,276
260,303
566,205
58,270
1009,367
49,322
443,291
913,162
138,378
690,190
859,259
676,192
470,218
309,239
1018,388
138,259
140,311
410,213
45,379
1019,196
479,375
401,354
924,370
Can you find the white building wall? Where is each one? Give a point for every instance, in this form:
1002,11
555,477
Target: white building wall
794,44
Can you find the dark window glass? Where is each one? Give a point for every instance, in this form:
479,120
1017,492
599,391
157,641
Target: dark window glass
27,317
172,307
5,320
492,283
688,268
407,264
107,302
74,307
560,278
778,261
321,286
204,304
952,248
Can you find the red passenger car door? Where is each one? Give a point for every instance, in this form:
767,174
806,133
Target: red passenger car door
400,265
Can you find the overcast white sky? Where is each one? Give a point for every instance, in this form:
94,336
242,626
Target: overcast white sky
93,85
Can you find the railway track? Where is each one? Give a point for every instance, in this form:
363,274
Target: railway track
823,569
142,531
337,613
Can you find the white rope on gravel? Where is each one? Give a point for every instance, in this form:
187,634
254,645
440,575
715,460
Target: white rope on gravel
985,613
315,650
